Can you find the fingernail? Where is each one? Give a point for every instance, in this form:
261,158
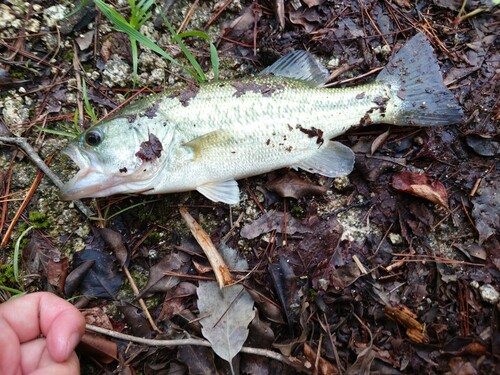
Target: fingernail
73,341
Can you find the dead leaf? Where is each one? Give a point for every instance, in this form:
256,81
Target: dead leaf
85,40
287,288
198,359
135,319
103,280
324,367
379,141
484,145
267,307
291,185
225,315
115,241
273,220
421,185
159,281
57,271
486,211
98,347
176,301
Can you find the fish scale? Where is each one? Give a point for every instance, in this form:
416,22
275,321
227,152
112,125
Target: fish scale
206,137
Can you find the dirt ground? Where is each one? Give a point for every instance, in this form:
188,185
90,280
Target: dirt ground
393,269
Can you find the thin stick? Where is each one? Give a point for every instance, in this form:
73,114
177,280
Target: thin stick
33,156
141,301
14,221
190,341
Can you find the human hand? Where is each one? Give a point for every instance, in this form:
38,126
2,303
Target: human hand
24,351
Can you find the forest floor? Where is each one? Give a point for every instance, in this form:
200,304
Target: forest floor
393,269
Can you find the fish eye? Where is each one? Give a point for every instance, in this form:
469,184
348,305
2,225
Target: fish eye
93,138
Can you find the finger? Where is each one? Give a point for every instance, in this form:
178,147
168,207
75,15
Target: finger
69,367
10,357
35,357
59,321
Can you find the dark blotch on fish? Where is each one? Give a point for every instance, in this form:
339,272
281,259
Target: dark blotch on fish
360,95
366,119
186,94
313,132
266,89
381,102
123,170
151,111
150,149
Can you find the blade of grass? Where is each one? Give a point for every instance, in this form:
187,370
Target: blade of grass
214,56
192,60
17,250
122,25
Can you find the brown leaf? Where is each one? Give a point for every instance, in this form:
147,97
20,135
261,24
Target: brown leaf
273,220
158,281
421,185
486,211
379,141
324,367
57,271
267,307
106,351
115,241
291,185
198,359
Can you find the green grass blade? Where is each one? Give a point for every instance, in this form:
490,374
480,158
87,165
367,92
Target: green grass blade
201,77
57,132
88,107
214,56
122,25
17,251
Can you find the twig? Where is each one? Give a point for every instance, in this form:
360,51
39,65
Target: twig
141,301
33,156
14,221
189,341
219,267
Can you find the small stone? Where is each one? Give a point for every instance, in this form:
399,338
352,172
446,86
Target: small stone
489,294
395,238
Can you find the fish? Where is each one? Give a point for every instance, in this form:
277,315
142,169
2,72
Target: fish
206,137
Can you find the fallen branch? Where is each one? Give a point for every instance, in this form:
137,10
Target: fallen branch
191,341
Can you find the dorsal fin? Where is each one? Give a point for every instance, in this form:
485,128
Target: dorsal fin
299,65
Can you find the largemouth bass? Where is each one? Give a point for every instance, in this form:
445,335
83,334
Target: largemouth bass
206,137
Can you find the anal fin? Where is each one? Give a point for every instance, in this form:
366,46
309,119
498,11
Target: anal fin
331,160
224,191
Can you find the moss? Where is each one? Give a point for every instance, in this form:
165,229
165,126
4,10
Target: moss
313,294
39,220
7,275
297,211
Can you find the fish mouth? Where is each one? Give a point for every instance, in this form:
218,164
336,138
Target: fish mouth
89,181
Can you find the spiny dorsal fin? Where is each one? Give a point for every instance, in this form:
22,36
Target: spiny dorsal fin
299,65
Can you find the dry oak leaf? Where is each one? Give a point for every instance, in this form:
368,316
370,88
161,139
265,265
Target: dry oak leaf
421,185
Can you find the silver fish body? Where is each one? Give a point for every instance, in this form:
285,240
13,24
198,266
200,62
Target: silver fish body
206,137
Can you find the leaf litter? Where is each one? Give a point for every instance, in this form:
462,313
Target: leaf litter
349,251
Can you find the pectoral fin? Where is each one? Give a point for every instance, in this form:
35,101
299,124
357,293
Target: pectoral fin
205,142
225,191
332,160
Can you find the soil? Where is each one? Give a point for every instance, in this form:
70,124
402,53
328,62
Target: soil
392,269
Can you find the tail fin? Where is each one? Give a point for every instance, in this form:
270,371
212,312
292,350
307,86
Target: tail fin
421,96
